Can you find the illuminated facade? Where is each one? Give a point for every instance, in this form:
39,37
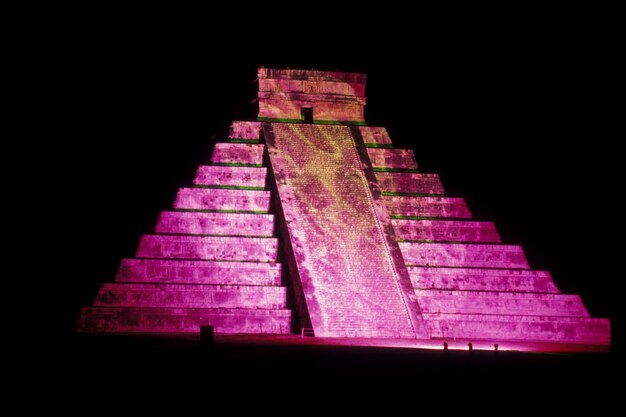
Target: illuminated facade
312,202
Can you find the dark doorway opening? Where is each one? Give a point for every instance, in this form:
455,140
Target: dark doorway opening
307,114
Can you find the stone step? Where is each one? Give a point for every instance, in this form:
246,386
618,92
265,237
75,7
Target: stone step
467,279
392,158
238,153
222,199
190,296
375,135
445,230
199,272
230,176
426,207
208,247
183,320
230,224
409,182
244,130
521,328
490,302
464,255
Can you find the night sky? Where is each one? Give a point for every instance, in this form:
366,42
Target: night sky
514,120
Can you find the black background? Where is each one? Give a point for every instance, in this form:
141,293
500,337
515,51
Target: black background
517,117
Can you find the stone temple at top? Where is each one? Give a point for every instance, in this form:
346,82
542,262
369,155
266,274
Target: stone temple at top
309,219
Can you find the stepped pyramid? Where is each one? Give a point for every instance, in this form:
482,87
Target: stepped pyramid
369,246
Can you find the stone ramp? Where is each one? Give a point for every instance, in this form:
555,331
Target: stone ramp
212,260
351,285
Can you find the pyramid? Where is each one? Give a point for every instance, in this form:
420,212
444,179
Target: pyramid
308,219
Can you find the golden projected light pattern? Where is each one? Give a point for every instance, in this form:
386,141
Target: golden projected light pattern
342,256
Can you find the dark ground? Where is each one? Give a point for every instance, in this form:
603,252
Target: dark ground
135,364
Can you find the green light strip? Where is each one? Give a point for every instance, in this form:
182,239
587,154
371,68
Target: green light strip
229,187
215,235
390,193
456,242
407,170
379,145
337,122
235,164
224,211
478,268
418,217
267,119
317,122
208,260
237,140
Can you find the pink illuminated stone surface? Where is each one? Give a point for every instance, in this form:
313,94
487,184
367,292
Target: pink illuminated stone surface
445,231
409,206
178,271
222,199
244,130
408,182
372,248
463,254
217,223
208,247
468,279
190,296
522,304
230,176
509,327
392,158
183,320
237,153
374,135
